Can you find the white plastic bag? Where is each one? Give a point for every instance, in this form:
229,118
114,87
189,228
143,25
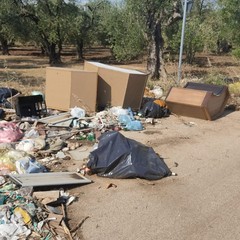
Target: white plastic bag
77,112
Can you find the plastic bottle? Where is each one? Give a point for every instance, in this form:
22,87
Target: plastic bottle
91,137
35,167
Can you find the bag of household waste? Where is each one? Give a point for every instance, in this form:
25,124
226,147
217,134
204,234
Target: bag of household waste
121,157
6,93
9,132
155,109
1,113
129,122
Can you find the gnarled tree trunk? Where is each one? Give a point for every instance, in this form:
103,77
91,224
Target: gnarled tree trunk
5,49
54,56
155,63
79,47
52,53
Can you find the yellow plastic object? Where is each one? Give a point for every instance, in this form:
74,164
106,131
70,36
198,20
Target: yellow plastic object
18,211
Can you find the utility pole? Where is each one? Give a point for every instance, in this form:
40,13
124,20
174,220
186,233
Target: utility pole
187,5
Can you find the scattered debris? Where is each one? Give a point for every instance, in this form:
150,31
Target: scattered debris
110,185
176,164
25,214
48,179
36,141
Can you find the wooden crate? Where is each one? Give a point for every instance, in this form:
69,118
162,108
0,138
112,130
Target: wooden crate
198,100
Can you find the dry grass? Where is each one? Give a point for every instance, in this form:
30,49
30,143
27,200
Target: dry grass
23,73
25,69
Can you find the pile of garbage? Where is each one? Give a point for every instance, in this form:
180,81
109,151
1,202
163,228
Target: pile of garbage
33,139
25,214
32,136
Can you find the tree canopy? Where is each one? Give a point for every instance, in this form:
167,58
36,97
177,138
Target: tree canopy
132,29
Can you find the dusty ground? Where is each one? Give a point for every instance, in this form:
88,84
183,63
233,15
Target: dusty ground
202,202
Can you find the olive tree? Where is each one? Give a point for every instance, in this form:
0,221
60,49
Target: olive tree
230,12
155,16
9,25
84,25
48,19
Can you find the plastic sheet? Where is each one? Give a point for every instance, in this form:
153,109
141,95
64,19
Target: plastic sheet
120,157
31,145
77,112
129,123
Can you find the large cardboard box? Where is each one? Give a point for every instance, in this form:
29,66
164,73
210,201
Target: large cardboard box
67,88
118,86
198,100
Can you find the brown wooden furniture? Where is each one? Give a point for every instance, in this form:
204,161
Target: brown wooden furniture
69,87
198,100
118,86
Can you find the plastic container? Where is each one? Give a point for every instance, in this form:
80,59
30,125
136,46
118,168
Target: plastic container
29,165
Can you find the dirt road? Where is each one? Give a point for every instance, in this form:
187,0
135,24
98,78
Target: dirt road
202,202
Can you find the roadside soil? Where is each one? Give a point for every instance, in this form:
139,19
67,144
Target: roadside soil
200,203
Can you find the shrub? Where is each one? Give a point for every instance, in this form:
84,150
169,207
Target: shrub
236,53
234,88
214,78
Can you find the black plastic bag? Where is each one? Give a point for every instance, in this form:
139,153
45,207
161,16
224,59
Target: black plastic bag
153,110
1,113
6,93
120,157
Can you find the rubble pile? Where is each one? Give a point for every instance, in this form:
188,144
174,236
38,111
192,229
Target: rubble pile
34,140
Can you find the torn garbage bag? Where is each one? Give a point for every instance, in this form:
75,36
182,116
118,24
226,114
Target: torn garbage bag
6,93
121,157
155,109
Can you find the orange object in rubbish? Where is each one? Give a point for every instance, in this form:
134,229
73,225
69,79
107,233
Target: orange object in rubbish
160,102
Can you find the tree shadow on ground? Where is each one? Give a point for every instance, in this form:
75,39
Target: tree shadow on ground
226,64
23,63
